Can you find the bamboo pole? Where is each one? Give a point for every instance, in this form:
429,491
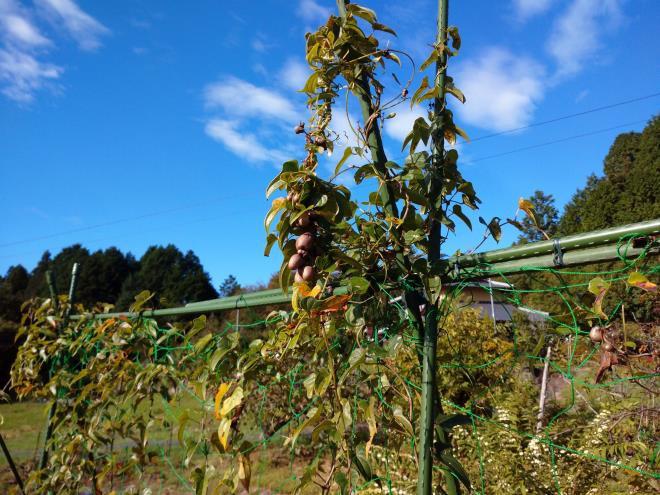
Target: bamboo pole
544,383
430,397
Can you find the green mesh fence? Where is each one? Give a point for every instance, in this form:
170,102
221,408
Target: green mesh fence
598,432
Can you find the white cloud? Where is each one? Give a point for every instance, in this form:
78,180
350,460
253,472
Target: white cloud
524,9
310,11
23,45
401,125
23,74
81,26
243,99
294,74
502,90
246,145
577,32
21,30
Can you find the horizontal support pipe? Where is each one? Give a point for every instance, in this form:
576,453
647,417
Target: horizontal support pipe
581,249
568,243
571,258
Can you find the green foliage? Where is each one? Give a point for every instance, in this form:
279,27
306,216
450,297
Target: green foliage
627,192
174,277
229,287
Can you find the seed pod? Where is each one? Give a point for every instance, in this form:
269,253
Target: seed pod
305,241
289,196
295,197
295,262
596,334
302,252
308,273
606,346
320,141
298,278
300,128
304,220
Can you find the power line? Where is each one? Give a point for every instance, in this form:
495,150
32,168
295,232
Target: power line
555,141
564,117
119,221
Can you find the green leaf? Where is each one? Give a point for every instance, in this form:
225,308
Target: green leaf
495,229
459,213
455,468
347,153
358,285
359,11
309,383
270,241
201,343
382,27
274,185
355,359
449,421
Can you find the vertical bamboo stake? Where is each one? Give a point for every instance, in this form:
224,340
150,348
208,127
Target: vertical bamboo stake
51,411
430,396
544,383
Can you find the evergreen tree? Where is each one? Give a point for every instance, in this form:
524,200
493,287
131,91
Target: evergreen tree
175,278
229,287
627,193
547,217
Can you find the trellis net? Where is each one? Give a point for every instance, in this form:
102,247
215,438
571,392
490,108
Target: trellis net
152,407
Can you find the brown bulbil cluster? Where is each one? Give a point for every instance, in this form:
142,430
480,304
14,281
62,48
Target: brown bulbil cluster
598,334
302,261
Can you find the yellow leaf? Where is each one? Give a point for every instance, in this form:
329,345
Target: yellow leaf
222,390
639,280
224,429
244,471
371,422
232,401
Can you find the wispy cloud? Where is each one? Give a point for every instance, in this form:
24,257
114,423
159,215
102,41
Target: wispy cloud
502,90
243,144
23,45
294,74
82,27
18,28
525,9
577,33
23,74
243,99
312,11
243,119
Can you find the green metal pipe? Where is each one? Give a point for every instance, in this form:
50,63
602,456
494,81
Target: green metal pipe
469,270
571,258
571,242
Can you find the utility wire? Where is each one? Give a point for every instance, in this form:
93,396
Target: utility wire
564,117
479,138
121,220
555,141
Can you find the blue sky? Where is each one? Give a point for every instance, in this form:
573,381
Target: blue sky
133,123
